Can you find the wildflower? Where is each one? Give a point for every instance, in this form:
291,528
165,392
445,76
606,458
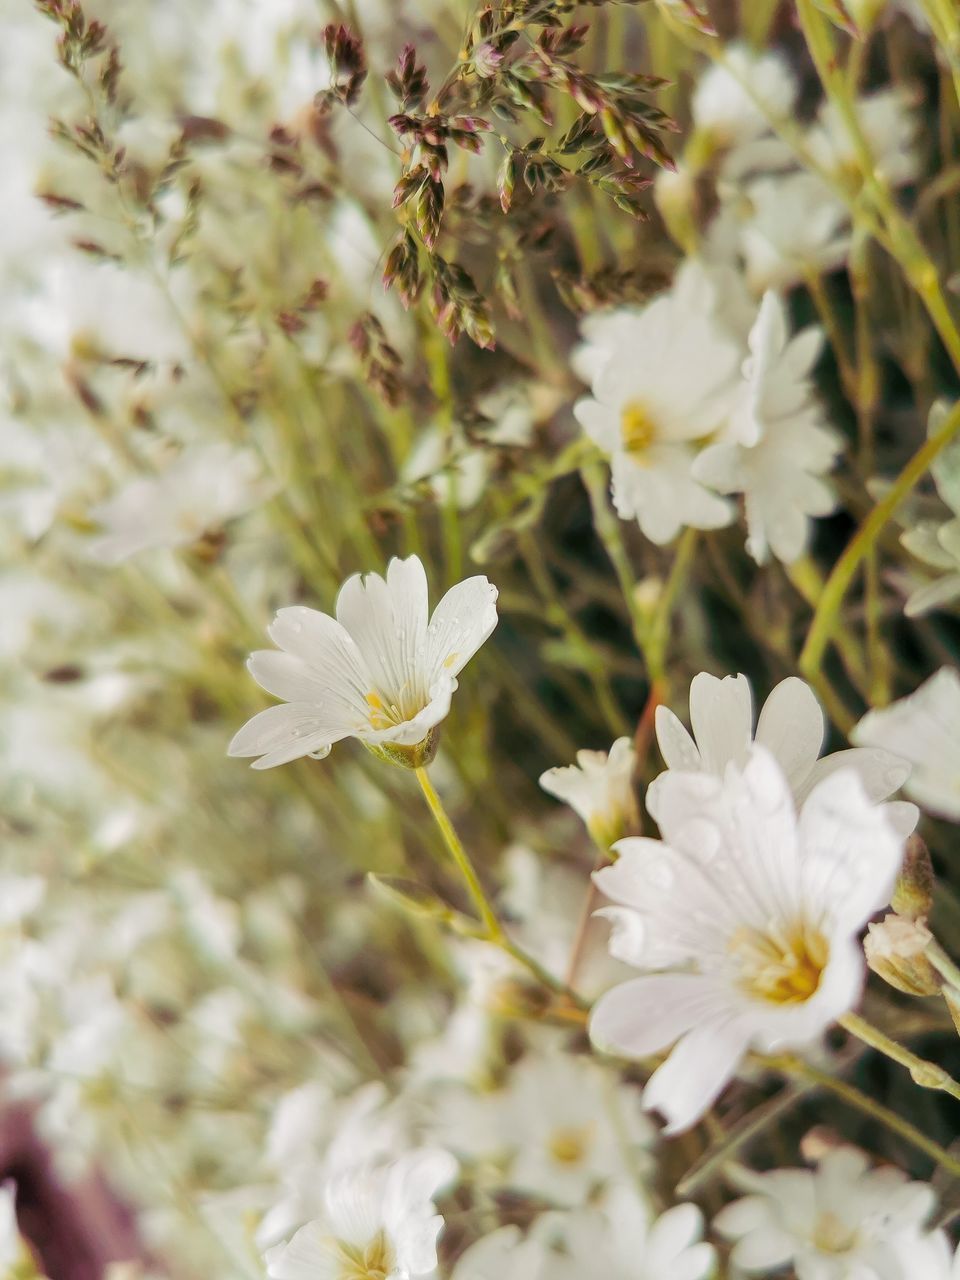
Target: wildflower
206,486
378,1224
745,917
599,788
791,727
625,1240
922,730
561,1124
796,226
785,447
379,671
938,544
506,1255
664,380
842,1221
889,130
726,112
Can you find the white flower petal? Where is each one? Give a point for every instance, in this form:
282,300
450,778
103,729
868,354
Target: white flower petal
641,1016
676,1230
285,733
322,645
678,749
694,1075
851,853
461,622
765,1249
310,1255
879,772
791,727
334,699
721,717
387,619
936,594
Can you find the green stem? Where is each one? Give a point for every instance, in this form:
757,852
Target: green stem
944,965
834,330
752,1124
609,532
903,242
926,1074
493,929
461,859
803,1071
558,616
826,615
660,624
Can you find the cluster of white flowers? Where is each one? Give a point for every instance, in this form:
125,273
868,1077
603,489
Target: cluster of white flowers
688,407
291,1025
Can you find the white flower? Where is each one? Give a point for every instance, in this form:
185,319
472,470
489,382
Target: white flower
625,1240
931,1256
922,729
797,226
786,446
544,903
562,1125
664,379
314,1139
506,1255
722,107
378,1224
938,544
889,128
206,486
745,917
791,727
843,1221
379,671
599,788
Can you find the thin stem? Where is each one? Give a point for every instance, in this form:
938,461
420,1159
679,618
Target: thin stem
800,1070
576,637
494,930
660,624
608,530
826,615
944,965
752,1124
834,330
926,1074
904,244
461,858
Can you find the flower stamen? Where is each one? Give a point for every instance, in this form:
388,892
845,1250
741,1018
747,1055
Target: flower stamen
780,967
637,428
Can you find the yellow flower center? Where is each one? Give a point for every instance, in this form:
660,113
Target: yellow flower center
830,1235
373,1262
386,715
569,1146
781,967
637,428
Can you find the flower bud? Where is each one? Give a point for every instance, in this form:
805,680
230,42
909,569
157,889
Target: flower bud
913,896
675,197
895,950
